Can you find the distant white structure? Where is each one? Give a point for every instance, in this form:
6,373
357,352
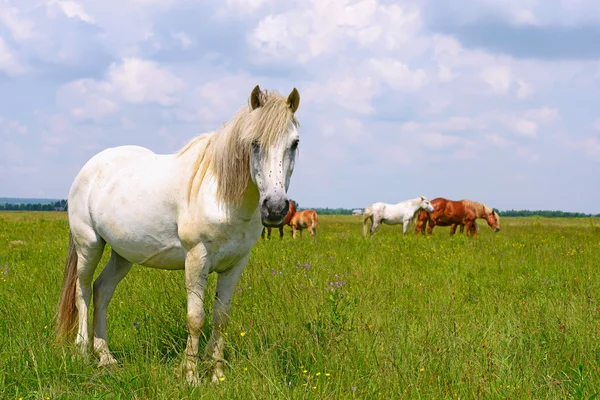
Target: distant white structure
357,212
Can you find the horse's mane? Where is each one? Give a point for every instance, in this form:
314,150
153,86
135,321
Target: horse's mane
415,215
479,208
226,152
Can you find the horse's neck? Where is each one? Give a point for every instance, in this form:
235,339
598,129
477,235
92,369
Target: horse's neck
411,206
190,162
480,210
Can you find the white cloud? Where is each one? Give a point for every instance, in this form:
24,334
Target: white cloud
349,92
438,140
528,154
245,6
9,61
141,81
317,28
498,78
544,115
182,38
20,27
72,9
526,128
397,74
525,17
444,73
86,99
132,80
8,126
525,89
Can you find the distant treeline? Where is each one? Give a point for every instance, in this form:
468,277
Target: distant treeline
330,211
545,213
59,205
506,213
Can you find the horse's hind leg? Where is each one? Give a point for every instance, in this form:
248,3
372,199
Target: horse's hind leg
453,229
374,225
104,287
281,232
89,253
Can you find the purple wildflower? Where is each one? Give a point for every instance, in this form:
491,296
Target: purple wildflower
135,324
353,388
6,271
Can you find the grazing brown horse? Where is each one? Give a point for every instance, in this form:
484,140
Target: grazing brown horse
306,219
286,221
453,213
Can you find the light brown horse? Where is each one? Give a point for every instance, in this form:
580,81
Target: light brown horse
286,221
306,219
453,213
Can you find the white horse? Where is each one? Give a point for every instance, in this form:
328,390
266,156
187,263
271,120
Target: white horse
199,209
392,214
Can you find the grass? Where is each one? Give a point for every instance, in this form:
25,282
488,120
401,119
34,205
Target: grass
508,315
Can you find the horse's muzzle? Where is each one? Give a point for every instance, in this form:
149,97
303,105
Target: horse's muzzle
273,210
497,229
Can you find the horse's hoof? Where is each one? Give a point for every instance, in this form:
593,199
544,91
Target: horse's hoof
217,377
193,379
107,360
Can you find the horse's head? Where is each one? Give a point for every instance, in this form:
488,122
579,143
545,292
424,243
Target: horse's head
273,151
425,204
493,220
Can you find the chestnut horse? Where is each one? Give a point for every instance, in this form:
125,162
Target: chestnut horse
286,221
453,213
306,219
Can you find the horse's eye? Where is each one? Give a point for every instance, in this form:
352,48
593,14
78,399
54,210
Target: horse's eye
295,144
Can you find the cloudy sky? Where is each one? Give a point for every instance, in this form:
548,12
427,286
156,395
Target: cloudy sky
492,100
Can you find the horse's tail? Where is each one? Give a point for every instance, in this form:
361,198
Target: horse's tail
67,309
367,215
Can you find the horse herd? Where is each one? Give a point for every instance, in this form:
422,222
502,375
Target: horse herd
200,210
439,211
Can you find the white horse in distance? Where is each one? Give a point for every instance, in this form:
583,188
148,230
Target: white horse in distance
201,209
392,214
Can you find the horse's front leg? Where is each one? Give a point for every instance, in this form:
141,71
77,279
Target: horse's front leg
196,273
226,283
431,226
405,226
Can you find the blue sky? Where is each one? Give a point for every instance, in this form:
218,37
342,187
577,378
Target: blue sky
492,100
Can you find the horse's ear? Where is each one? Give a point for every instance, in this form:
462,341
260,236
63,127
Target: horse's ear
422,198
255,98
293,100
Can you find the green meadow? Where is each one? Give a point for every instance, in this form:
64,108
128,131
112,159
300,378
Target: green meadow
509,315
